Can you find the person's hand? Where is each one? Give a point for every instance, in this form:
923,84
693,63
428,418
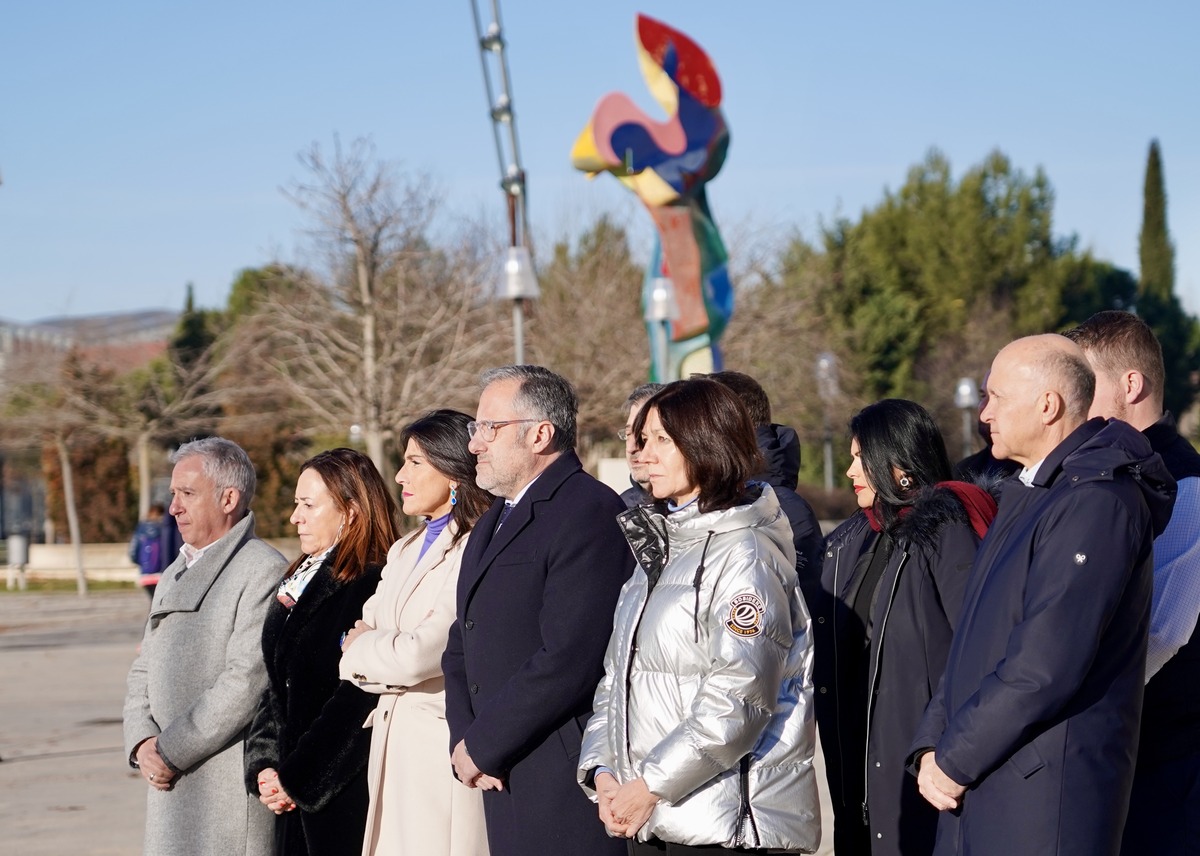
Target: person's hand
271,792
631,807
464,767
152,767
606,788
489,783
939,790
360,627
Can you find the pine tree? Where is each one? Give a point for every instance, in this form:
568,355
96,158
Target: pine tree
1155,253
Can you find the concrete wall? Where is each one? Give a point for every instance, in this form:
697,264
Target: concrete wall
105,562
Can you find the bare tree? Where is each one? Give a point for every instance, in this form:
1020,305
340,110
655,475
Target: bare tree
42,408
393,324
588,327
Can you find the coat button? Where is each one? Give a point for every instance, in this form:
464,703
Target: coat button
475,688
877,764
469,624
358,676
822,690
820,619
385,713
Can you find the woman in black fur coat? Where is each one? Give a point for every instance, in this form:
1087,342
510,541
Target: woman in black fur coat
892,587
306,756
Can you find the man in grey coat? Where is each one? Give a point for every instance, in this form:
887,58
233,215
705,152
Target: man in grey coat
198,679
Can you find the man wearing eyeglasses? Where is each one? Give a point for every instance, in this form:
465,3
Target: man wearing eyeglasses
536,594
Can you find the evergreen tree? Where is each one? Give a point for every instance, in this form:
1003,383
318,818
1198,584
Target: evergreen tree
1155,253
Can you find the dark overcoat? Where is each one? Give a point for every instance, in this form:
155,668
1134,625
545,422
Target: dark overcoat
309,725
868,720
535,611
1039,706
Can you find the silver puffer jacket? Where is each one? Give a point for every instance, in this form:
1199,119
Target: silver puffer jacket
707,690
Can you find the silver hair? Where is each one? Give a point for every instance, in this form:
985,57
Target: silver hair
542,394
225,463
641,395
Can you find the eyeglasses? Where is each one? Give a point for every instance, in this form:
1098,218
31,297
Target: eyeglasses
486,428
624,434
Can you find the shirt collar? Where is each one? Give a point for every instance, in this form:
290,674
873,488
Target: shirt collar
522,492
1028,474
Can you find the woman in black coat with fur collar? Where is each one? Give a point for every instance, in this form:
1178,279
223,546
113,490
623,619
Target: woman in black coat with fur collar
892,586
306,755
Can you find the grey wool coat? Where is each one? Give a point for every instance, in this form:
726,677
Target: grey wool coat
195,685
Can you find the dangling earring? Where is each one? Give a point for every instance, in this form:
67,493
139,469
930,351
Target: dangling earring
905,482
453,496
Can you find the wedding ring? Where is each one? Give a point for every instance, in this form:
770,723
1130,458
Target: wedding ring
152,777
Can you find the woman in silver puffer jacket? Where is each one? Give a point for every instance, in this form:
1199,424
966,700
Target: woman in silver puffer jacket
703,735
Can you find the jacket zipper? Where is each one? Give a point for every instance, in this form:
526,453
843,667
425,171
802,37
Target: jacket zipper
874,682
746,812
633,647
837,707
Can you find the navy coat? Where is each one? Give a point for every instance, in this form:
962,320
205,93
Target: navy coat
1039,707
868,716
535,611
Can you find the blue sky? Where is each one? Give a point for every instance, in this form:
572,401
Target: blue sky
143,144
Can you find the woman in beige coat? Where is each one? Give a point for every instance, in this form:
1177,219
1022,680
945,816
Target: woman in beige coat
417,806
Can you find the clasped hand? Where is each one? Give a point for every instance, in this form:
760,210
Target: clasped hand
469,774
152,766
271,792
939,790
624,809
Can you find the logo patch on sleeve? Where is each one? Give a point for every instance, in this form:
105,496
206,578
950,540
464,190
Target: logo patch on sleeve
745,615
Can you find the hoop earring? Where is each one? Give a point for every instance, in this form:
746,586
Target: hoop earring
905,482
453,496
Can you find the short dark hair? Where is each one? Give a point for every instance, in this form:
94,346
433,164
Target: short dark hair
897,434
713,432
352,481
544,395
442,437
750,391
1118,341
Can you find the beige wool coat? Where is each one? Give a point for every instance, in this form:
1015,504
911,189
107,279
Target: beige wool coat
195,686
417,806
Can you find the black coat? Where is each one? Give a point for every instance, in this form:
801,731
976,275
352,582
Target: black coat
780,448
535,611
1039,706
869,715
309,724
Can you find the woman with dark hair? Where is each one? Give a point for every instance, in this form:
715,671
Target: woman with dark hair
306,755
892,587
702,735
395,651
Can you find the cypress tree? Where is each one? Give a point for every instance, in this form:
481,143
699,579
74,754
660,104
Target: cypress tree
1155,253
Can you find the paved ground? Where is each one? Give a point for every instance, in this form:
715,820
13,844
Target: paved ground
65,787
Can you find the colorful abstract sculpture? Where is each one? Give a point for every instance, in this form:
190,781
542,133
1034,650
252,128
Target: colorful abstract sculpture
667,164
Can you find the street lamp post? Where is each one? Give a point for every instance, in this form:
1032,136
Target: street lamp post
519,282
661,310
966,399
827,389
518,285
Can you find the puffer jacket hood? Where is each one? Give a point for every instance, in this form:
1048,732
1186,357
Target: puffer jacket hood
707,692
780,446
1119,446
